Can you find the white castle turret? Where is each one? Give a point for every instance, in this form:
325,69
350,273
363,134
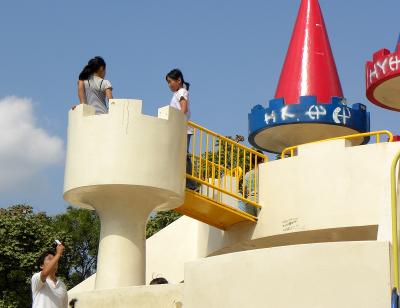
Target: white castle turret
124,165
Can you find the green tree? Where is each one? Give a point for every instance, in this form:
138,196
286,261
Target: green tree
79,229
159,221
24,235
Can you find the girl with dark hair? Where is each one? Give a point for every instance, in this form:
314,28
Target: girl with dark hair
93,89
180,98
180,101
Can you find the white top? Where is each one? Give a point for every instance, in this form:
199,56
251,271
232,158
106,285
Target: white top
48,294
95,89
175,102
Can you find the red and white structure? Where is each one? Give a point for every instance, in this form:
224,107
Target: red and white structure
383,79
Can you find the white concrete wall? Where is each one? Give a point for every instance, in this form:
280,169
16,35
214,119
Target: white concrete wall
328,275
168,250
329,192
157,296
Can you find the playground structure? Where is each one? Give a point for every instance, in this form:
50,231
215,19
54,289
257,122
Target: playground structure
383,78
105,171
326,230
309,104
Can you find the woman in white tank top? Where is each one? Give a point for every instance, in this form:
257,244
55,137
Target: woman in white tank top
93,89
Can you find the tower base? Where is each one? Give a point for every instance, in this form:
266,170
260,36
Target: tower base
280,126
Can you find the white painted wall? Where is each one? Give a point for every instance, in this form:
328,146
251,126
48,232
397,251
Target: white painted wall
328,275
157,296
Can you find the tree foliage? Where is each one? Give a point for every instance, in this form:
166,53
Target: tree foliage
159,221
23,236
79,229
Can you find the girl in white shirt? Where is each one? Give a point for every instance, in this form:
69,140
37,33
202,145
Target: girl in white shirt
93,89
180,98
180,101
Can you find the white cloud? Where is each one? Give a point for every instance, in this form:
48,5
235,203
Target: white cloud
25,148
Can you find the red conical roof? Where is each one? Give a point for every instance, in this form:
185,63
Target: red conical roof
309,67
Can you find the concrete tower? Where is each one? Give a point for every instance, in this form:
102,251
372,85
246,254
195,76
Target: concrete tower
124,165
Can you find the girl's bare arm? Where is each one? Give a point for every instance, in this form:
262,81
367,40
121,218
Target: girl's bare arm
109,93
184,105
81,92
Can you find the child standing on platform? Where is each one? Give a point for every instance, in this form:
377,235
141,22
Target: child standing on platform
93,89
180,101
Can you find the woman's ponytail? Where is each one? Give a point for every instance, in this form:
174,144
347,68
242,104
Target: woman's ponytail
86,72
92,67
186,84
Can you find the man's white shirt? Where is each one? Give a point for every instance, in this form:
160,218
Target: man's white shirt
48,294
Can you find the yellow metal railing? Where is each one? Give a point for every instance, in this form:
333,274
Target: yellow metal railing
221,163
395,246
291,151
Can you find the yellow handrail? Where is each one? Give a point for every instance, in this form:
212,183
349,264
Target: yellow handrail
194,125
377,134
213,171
393,188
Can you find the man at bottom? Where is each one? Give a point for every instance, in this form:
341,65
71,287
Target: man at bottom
47,290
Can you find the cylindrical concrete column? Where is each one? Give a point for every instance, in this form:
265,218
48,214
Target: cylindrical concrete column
122,252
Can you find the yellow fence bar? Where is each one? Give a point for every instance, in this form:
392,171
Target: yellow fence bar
291,150
200,151
395,248
233,160
241,146
193,149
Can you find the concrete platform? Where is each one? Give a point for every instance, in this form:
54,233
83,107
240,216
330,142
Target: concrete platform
326,275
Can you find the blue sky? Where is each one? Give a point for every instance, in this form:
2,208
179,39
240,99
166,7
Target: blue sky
230,51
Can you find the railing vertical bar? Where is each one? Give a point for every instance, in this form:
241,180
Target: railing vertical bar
213,162
193,149
231,166
250,179
237,169
200,153
225,163
244,172
395,250
219,163
206,171
256,173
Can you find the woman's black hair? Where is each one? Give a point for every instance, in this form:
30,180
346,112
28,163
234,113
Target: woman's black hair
176,74
92,67
159,280
40,260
